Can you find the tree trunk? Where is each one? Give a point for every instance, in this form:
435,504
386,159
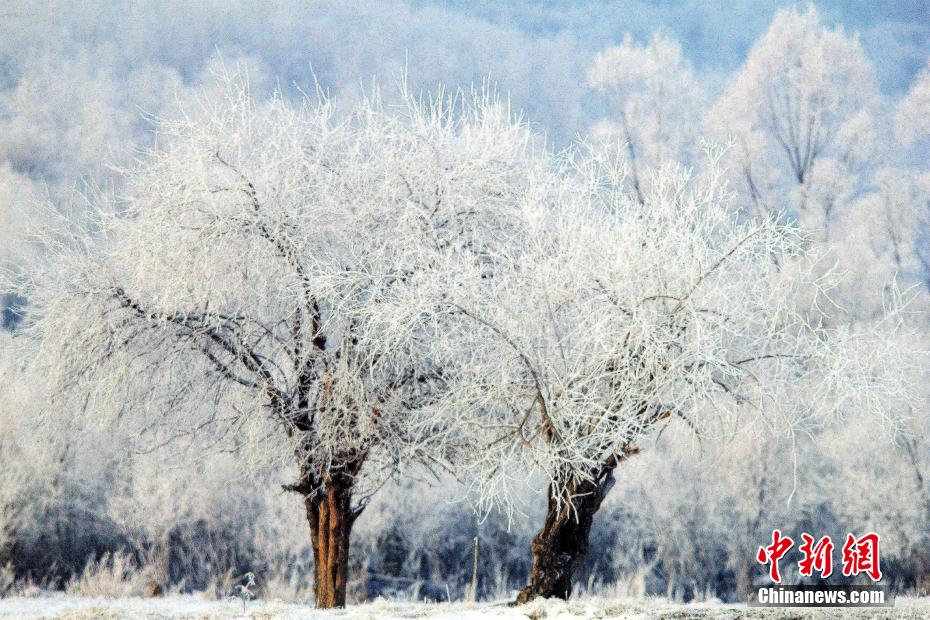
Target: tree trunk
331,516
744,571
561,545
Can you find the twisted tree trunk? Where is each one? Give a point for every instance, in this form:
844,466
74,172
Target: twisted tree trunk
562,544
331,516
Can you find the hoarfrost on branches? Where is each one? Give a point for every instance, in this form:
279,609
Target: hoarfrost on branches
609,318
242,287
657,103
805,95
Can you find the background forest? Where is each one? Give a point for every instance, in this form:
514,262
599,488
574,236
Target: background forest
823,116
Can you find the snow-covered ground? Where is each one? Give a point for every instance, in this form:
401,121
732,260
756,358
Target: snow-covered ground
191,607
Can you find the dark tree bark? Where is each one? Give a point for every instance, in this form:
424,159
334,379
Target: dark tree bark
561,545
331,516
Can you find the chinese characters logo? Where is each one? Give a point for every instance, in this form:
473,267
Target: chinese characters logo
859,555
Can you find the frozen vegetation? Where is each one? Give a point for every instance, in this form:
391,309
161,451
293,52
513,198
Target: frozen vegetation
275,340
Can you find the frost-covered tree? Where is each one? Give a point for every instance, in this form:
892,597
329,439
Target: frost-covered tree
705,505
884,235
912,113
800,111
657,103
613,318
242,288
28,468
17,196
896,475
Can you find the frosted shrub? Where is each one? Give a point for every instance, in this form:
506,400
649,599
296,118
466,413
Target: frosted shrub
111,576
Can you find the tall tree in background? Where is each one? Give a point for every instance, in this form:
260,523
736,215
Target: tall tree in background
801,112
912,113
243,288
885,234
912,215
656,104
